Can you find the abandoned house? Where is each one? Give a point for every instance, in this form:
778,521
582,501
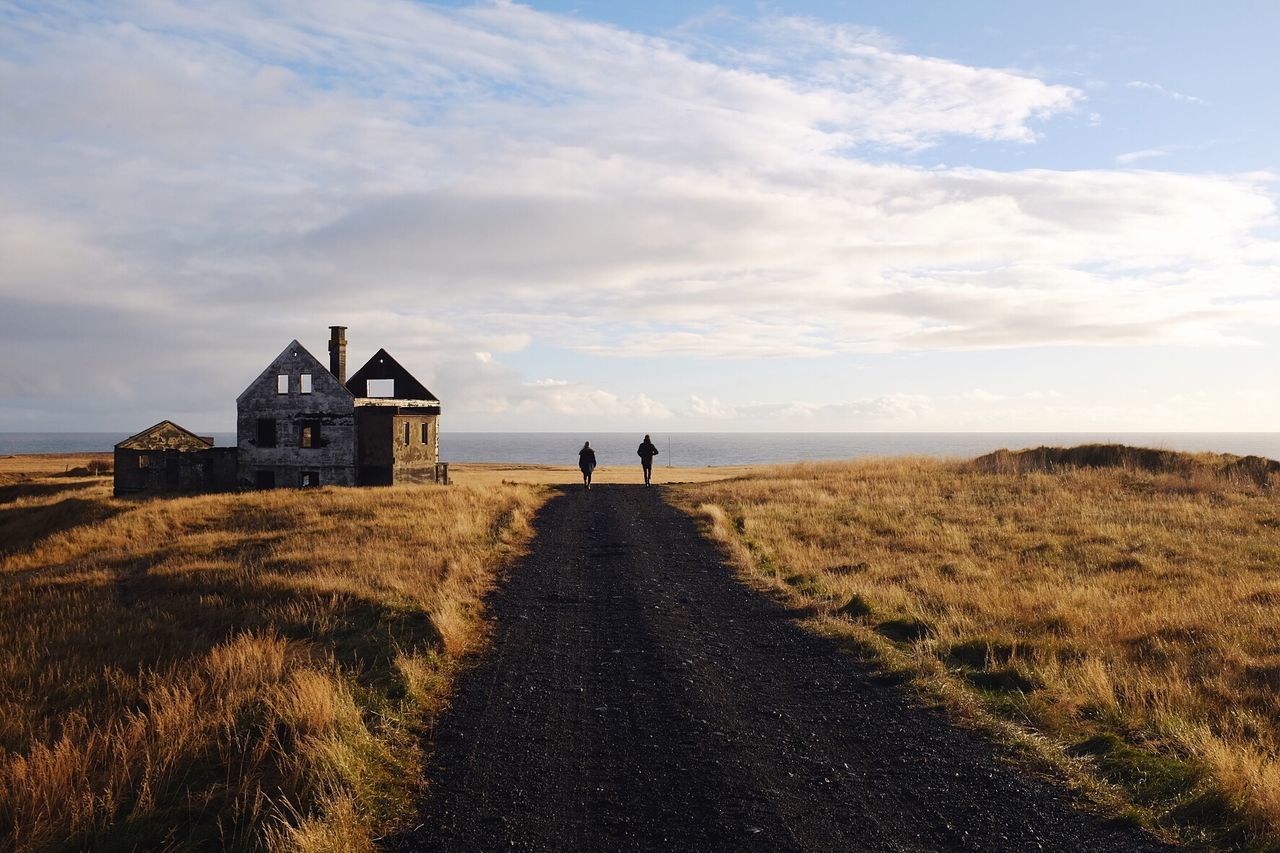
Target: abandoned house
168,458
299,424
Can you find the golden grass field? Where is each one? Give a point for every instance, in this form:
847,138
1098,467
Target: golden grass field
1126,619
236,671
488,473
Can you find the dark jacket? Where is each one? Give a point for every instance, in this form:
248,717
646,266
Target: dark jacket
646,452
587,459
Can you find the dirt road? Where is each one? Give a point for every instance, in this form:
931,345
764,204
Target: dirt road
637,697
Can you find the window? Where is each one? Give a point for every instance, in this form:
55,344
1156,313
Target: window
304,383
282,383
310,479
381,387
310,436
424,432
266,432
406,433
144,461
265,479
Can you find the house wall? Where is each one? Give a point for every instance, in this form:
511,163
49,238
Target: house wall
329,406
384,457
415,462
168,471
375,455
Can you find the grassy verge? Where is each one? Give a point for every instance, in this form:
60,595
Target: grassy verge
1123,620
236,671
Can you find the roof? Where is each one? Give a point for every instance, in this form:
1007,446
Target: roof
295,358
166,435
383,366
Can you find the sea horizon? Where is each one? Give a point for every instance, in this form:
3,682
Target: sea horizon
703,449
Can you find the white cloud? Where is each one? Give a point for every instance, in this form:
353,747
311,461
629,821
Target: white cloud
1168,93
1145,154
207,181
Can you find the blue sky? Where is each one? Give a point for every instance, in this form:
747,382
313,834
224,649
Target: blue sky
659,216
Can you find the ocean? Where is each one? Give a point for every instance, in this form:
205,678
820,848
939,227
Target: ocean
699,449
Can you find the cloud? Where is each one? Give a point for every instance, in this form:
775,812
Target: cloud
1161,90
898,410
205,182
1146,154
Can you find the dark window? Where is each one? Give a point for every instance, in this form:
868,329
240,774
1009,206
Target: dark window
310,436
424,432
266,432
406,433
265,479
310,479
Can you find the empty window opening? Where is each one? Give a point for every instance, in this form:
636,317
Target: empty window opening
282,383
381,388
266,432
406,433
144,461
265,479
304,383
310,479
424,432
310,436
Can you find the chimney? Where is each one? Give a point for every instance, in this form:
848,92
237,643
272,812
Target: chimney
338,352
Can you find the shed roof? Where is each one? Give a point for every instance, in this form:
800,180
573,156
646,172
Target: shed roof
166,435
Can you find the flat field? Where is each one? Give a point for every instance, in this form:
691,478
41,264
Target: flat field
486,473
1125,619
233,671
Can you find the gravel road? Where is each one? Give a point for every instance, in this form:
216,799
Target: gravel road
638,697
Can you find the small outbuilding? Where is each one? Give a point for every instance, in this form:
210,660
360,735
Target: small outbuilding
167,458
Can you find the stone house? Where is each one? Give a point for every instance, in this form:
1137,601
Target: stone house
299,424
167,458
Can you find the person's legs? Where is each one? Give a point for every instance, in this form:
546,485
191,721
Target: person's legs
648,471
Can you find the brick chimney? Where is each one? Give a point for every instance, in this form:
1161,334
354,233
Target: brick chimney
338,352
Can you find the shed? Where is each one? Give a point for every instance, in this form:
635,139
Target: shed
169,458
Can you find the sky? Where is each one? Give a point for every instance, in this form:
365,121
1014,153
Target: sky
660,216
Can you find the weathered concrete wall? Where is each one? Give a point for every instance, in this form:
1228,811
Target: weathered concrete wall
328,410
166,471
375,455
415,461
392,449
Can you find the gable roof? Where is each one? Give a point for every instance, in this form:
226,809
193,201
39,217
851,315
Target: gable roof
296,358
383,366
166,435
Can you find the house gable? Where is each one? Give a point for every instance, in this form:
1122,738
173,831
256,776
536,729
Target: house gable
295,361
383,366
166,435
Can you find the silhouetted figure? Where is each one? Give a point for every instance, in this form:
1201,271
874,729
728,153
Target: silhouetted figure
587,463
646,451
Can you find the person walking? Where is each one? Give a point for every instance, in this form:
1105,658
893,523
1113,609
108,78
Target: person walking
586,463
646,451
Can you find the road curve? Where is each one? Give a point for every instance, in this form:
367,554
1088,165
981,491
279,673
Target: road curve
638,697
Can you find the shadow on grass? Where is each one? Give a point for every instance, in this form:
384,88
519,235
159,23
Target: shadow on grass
21,527
43,488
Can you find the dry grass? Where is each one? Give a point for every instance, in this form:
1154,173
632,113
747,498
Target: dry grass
237,671
1128,616
488,473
